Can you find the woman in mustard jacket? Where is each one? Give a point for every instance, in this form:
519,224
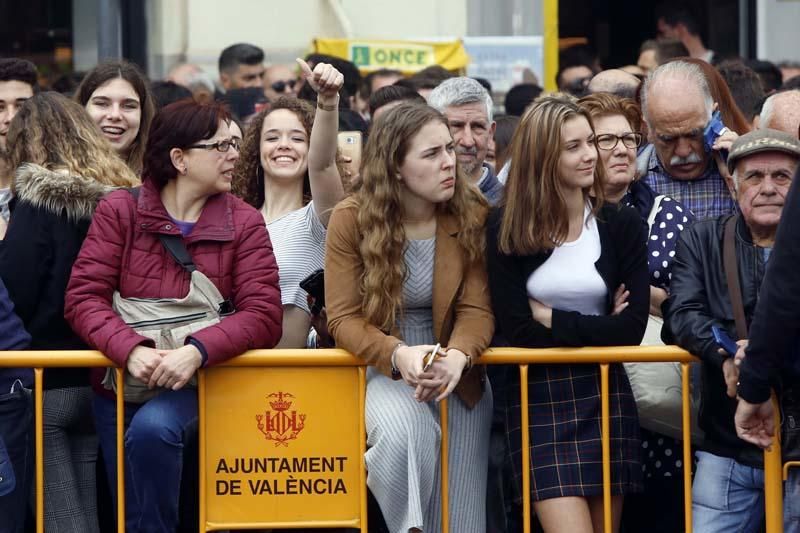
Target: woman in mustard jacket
406,252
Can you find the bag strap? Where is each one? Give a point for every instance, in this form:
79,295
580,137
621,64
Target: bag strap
732,275
173,243
653,212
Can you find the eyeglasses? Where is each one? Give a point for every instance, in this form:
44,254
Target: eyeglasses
609,141
280,85
220,146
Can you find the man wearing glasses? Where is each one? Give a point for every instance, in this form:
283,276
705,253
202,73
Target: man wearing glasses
279,80
678,107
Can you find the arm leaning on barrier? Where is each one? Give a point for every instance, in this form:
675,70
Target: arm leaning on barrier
687,311
346,321
257,320
96,275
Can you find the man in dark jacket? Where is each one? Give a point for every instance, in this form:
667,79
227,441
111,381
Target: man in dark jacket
727,493
16,419
775,331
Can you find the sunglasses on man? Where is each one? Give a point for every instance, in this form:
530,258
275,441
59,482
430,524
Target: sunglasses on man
280,85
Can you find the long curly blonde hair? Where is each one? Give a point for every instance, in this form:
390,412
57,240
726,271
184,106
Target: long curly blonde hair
54,132
380,212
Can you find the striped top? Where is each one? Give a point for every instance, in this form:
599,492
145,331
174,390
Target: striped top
298,242
416,320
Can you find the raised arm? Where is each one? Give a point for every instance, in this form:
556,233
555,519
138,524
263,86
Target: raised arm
326,184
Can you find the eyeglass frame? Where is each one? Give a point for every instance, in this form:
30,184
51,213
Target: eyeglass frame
280,85
617,138
235,142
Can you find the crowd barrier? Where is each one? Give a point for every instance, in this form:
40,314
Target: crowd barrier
333,433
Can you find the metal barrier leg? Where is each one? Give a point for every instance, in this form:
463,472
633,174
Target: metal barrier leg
687,447
773,479
120,375
201,441
606,445
362,431
445,448
38,374
526,449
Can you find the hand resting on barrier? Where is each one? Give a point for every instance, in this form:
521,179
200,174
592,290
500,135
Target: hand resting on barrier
446,371
177,367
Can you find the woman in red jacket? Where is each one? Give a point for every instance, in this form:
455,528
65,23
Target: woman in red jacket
188,167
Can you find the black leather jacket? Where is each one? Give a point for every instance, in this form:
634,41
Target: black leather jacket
699,299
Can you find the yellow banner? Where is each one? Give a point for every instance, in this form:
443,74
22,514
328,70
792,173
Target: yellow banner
283,445
406,56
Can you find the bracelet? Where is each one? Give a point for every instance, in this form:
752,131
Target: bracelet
469,362
332,107
395,370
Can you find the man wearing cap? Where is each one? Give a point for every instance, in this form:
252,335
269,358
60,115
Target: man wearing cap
727,494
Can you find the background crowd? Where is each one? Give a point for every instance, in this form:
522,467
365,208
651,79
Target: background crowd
177,223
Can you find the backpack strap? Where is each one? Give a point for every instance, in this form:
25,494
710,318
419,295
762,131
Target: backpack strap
176,248
173,243
732,275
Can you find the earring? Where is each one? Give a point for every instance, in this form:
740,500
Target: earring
183,170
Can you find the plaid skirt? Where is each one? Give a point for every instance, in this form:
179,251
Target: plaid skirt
564,413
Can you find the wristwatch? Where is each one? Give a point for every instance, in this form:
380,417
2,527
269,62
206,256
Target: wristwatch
396,371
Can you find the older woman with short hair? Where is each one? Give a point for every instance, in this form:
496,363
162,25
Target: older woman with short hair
188,168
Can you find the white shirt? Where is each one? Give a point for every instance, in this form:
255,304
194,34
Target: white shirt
298,242
568,279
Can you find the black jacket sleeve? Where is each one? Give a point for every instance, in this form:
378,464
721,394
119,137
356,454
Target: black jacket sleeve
688,311
24,258
507,280
12,334
628,237
775,328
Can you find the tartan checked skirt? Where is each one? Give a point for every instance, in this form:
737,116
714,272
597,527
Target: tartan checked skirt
564,414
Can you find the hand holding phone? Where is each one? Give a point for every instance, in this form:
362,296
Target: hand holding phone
713,130
724,341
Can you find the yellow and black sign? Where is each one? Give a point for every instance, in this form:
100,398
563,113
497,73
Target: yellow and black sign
283,445
405,56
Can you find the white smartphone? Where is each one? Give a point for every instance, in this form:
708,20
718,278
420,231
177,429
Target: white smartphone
431,357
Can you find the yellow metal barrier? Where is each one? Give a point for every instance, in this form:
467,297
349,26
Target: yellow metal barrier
333,358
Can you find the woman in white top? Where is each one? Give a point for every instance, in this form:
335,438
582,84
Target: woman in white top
565,269
289,157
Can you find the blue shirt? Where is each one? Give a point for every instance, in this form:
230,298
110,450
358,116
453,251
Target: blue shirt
490,186
706,196
185,227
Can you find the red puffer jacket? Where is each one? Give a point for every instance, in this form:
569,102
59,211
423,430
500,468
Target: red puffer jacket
122,251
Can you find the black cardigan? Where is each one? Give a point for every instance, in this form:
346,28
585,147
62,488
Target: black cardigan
623,259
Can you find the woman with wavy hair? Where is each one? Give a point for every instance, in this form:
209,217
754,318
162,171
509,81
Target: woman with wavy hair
287,170
58,183
117,97
406,251
566,269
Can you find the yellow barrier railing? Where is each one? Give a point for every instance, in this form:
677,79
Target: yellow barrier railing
327,358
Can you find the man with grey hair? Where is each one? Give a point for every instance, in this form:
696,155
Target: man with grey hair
781,112
468,108
677,106
615,81
728,489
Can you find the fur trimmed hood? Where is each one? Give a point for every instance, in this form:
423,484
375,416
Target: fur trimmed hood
58,191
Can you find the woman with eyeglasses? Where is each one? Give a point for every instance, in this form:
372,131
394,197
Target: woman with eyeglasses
567,269
617,122
185,194
287,170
